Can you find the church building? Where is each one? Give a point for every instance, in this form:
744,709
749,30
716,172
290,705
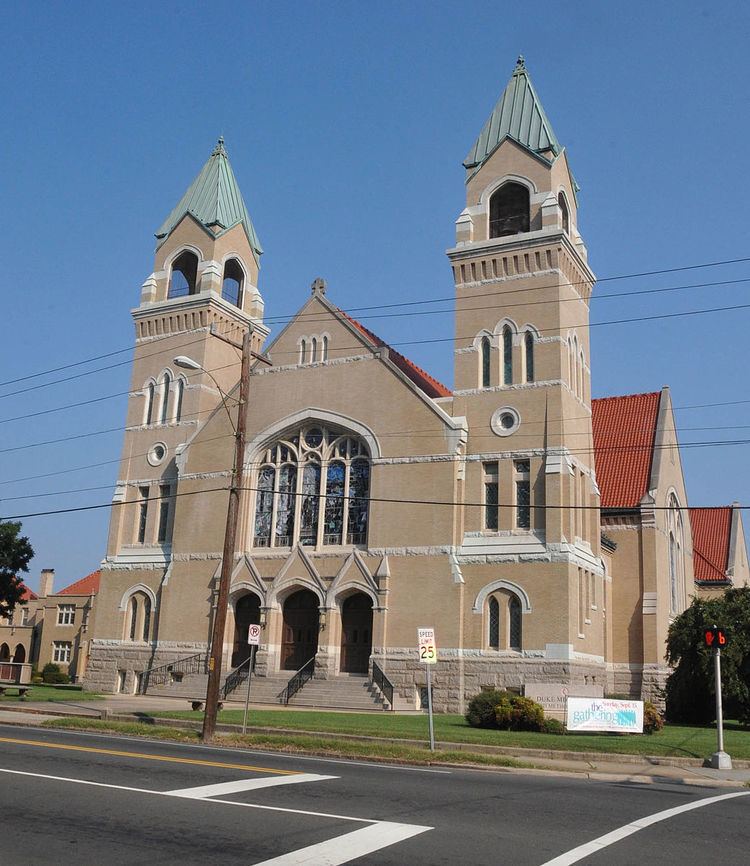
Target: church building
544,536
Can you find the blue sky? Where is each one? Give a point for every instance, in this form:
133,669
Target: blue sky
346,124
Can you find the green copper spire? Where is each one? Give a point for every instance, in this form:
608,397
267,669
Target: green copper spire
214,199
518,115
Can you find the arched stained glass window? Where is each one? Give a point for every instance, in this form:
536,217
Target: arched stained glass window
150,397
133,609
507,356
179,393
494,623
321,493
529,350
486,354
146,618
165,385
515,636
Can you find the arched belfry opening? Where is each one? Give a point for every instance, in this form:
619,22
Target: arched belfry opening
509,210
231,285
184,277
299,639
356,633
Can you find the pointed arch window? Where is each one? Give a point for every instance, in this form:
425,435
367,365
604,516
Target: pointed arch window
515,636
509,210
184,277
485,361
313,350
303,351
150,398
494,623
313,489
166,382
179,394
504,621
232,282
507,355
324,350
529,352
133,613
146,627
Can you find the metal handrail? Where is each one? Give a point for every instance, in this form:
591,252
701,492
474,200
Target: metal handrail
160,674
383,683
238,676
303,675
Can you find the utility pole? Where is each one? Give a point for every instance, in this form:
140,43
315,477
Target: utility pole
230,543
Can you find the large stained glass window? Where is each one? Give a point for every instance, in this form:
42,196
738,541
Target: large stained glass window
312,488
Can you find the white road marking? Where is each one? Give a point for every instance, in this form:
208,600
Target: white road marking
203,791
623,832
342,849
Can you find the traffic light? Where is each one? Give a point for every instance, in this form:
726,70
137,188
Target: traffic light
715,637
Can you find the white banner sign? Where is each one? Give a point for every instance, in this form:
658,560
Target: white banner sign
602,714
426,644
253,635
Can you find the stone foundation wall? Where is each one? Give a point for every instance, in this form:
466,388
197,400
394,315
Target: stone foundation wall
108,657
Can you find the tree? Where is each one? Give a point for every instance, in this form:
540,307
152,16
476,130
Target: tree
15,554
690,689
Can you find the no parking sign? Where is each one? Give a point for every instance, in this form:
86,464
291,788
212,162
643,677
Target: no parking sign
253,635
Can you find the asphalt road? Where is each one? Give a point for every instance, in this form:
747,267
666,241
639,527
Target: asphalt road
68,797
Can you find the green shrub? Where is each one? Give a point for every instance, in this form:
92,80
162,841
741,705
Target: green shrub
525,714
553,726
652,718
481,710
51,673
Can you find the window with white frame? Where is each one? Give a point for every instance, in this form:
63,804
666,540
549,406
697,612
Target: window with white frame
66,614
313,487
62,651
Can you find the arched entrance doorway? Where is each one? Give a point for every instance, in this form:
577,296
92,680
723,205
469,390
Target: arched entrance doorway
19,656
246,613
299,641
356,633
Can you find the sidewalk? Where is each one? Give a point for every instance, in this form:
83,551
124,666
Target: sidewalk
603,767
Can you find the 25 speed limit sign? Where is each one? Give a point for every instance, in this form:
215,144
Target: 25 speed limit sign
426,644
253,635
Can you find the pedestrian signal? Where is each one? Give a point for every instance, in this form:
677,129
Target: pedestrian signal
715,637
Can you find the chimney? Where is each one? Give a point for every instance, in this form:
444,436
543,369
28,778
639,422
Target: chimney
46,581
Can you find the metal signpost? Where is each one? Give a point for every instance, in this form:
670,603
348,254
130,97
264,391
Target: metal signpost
253,638
428,656
716,638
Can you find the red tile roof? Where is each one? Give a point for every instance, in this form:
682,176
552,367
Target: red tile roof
712,528
624,436
420,377
28,595
88,585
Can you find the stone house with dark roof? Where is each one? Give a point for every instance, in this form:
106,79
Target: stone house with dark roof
543,535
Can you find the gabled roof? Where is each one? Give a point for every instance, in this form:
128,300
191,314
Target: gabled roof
88,585
518,115
420,377
712,532
624,437
214,198
28,595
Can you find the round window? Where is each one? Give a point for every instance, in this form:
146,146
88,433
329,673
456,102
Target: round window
313,437
505,421
157,453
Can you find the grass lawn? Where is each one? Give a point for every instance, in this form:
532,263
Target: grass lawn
673,741
50,693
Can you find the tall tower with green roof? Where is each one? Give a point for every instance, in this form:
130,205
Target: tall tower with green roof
522,380
204,282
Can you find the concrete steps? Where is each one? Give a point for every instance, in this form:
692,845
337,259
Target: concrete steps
345,692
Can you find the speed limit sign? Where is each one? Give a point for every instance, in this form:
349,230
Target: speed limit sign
253,635
426,644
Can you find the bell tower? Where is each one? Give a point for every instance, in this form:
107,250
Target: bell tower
204,282
522,364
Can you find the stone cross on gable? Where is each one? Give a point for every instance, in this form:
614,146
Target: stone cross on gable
318,286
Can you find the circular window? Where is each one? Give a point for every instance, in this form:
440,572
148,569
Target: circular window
505,421
157,453
313,437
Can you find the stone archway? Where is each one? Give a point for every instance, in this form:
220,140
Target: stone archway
356,633
4,653
19,655
299,639
246,613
